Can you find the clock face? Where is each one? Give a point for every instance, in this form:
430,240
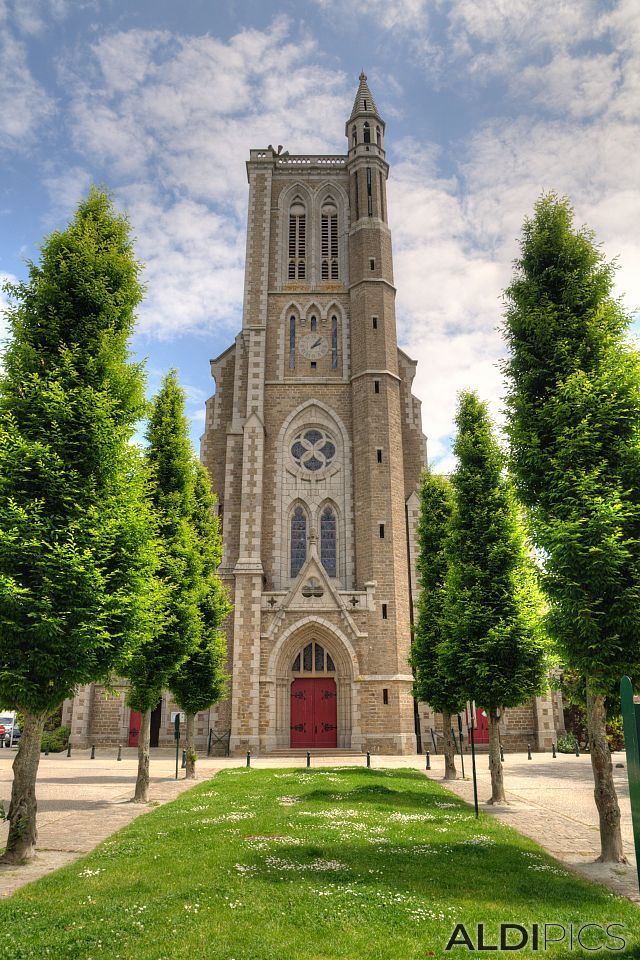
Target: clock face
313,346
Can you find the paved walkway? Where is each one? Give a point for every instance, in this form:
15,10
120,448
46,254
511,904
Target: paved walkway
83,801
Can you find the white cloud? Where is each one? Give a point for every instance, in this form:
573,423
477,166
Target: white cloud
25,103
172,120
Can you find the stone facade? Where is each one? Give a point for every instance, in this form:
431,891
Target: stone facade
313,441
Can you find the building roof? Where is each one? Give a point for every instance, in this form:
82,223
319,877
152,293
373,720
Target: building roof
364,102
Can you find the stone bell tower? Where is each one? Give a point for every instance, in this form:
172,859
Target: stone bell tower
314,445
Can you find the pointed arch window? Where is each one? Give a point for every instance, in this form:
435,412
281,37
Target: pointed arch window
329,242
328,540
378,137
367,132
354,136
334,342
297,241
298,540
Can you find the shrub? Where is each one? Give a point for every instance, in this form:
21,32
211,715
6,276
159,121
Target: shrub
567,743
56,740
615,734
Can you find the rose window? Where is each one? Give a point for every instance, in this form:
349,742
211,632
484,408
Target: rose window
313,450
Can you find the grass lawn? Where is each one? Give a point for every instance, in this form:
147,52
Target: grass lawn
302,865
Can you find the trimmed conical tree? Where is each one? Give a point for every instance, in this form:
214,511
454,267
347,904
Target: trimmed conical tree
152,665
436,682
574,428
493,634
76,546
199,682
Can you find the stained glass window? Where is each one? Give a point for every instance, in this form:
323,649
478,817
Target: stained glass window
298,541
307,654
296,664
328,541
313,450
330,664
319,658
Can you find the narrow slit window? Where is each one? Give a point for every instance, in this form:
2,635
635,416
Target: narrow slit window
369,195
374,321
378,137
379,455
367,131
292,342
385,696
334,343
355,182
329,242
372,263
384,611
354,136
313,324
381,195
382,531
376,386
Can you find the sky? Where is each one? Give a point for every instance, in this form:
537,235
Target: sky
487,103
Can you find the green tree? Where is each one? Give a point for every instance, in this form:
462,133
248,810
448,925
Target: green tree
199,682
76,551
494,640
435,681
573,424
152,665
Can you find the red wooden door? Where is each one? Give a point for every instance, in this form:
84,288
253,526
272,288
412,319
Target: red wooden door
481,730
314,712
302,713
325,713
135,719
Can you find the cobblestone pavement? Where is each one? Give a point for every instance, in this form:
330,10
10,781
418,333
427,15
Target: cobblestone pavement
83,801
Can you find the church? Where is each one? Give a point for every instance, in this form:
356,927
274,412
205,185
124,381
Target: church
313,441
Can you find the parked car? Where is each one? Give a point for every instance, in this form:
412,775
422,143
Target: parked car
8,726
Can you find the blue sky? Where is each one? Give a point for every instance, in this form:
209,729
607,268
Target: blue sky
487,103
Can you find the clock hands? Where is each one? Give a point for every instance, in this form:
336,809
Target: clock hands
317,343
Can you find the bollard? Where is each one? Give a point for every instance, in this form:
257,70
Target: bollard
529,757
184,760
553,750
248,758
577,748
308,759
119,753
502,753
69,748
428,766
368,759
46,749
93,752
209,743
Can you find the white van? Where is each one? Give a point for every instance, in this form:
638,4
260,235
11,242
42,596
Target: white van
9,732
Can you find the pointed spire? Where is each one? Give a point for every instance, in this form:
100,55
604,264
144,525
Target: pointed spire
364,102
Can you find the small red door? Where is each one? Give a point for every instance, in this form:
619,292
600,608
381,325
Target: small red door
135,719
314,712
481,730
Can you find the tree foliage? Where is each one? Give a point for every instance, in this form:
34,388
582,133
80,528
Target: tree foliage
436,681
178,633
199,681
574,429
491,612
75,545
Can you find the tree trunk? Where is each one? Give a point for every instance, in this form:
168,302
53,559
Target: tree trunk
191,750
449,749
605,791
142,783
495,763
21,843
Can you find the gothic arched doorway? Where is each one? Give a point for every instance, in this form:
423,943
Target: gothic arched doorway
314,698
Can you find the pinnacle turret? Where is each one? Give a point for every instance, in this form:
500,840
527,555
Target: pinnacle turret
364,102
